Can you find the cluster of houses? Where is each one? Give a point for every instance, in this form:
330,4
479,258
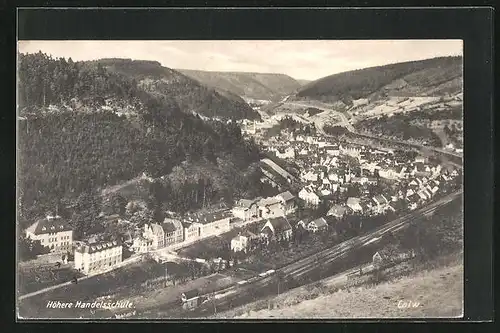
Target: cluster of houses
279,228
191,228
261,208
274,228
328,172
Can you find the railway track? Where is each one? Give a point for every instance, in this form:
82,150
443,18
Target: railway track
325,257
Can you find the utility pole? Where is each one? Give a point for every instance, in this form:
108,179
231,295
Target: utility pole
214,303
166,274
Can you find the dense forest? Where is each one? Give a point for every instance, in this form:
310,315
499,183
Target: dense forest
190,95
335,130
399,128
455,113
45,81
66,157
291,125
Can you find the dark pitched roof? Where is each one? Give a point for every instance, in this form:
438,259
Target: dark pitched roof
168,227
381,199
97,247
191,294
331,220
337,210
186,224
280,224
49,224
414,197
321,222
157,229
245,203
209,217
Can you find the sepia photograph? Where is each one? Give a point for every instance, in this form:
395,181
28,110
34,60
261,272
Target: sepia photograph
240,179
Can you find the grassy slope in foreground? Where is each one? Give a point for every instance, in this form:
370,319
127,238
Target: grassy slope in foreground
439,292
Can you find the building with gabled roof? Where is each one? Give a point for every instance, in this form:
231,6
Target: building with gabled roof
317,225
277,228
337,211
53,232
142,244
354,204
190,299
242,241
279,205
211,223
380,200
270,207
155,232
174,231
246,209
286,196
310,196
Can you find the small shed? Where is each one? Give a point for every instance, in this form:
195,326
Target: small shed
190,299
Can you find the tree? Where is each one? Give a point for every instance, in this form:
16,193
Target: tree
118,204
29,249
86,219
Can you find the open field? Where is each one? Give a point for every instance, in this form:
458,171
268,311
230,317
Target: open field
122,281
204,249
32,278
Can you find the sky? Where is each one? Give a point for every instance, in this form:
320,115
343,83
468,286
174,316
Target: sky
300,59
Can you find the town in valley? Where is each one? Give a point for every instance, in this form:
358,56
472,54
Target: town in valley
202,193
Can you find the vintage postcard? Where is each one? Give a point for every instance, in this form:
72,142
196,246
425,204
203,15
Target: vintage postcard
240,179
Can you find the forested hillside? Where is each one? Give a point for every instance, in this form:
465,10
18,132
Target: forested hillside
44,81
260,86
190,94
431,77
66,157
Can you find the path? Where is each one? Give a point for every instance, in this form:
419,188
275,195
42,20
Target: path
57,286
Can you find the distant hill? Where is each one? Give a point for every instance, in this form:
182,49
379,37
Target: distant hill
264,86
303,82
191,95
431,77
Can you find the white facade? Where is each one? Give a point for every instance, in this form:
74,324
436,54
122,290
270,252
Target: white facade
98,257
309,196
52,233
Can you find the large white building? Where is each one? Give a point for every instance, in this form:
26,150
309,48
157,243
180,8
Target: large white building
53,232
97,257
